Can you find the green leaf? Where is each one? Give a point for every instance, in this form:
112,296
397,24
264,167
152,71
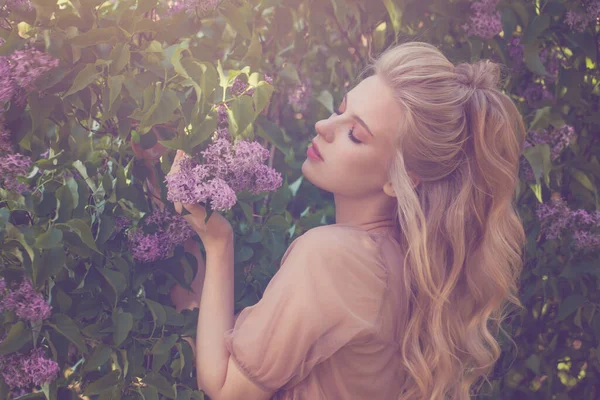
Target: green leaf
533,61
539,24
236,19
65,203
67,327
570,305
272,132
261,97
161,384
120,56
395,14
326,99
95,36
82,229
158,312
585,181
98,358
51,238
84,78
241,114
149,393
116,281
123,322
161,112
17,336
165,344
115,84
105,383
538,157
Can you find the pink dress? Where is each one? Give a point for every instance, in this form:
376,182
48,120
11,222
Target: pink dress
330,321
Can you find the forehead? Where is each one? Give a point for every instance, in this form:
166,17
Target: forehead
372,100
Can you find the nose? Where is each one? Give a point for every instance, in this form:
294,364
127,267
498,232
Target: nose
324,129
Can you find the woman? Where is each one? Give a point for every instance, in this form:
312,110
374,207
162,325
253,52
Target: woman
402,297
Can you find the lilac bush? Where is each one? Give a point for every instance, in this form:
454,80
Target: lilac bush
167,231
226,170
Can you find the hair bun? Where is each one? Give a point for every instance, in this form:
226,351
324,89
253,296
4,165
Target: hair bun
483,74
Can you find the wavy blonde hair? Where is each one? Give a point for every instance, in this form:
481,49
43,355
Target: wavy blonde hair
461,137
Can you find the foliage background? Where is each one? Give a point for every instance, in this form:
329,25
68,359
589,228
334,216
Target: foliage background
129,69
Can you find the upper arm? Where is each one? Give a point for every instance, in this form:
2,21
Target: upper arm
239,386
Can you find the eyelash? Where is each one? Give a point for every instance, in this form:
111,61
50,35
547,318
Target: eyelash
351,131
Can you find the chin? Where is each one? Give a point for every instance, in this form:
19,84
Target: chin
310,175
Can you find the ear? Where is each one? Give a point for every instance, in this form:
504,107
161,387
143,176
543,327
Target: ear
388,189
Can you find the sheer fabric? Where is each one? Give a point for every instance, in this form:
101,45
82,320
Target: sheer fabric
317,333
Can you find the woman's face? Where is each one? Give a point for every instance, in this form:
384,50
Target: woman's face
355,143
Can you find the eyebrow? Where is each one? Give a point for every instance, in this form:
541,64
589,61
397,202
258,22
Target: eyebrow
357,118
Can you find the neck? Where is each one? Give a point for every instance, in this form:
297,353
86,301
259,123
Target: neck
369,212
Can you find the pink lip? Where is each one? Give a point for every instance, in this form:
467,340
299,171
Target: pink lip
313,153
316,149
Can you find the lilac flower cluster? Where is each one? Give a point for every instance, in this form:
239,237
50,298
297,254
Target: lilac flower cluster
484,21
238,87
534,94
557,139
5,138
579,21
12,166
24,301
24,370
20,70
556,219
121,223
168,231
299,96
223,117
226,170
202,7
24,5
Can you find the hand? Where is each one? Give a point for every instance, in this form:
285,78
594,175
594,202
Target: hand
217,232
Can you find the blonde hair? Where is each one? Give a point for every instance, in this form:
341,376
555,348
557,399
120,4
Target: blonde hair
461,137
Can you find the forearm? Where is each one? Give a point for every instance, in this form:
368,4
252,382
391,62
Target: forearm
215,317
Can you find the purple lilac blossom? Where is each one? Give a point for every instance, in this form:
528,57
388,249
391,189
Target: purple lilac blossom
299,96
534,94
26,302
12,166
578,21
19,5
7,83
557,139
148,247
269,79
5,139
28,65
40,369
170,231
556,219
484,21
238,87
202,7
20,371
223,118
516,52
226,170
121,223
